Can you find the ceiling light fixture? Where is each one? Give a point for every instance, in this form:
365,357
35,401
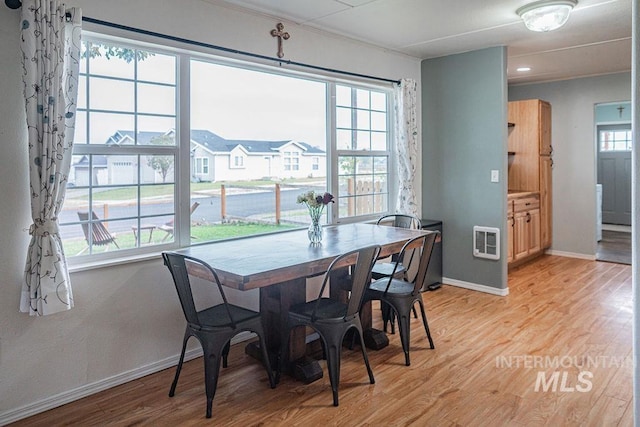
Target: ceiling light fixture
546,15
523,69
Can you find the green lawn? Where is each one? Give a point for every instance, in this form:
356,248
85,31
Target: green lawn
200,233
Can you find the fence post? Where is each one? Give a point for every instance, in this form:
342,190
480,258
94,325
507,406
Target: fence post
105,215
277,204
350,192
223,203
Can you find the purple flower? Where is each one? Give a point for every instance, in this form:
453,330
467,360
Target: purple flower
327,198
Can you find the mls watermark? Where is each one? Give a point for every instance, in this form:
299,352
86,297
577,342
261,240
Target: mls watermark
563,377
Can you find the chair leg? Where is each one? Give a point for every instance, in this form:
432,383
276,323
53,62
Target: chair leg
225,354
333,350
172,391
267,362
372,380
211,370
388,316
415,313
405,328
426,325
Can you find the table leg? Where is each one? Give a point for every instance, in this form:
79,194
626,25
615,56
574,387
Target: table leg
374,339
274,307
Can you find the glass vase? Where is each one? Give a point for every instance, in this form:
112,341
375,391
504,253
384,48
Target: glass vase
315,230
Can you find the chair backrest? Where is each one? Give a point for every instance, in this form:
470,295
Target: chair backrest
179,266
99,233
425,258
412,255
362,261
401,221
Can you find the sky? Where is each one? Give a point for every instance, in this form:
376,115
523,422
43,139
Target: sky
232,102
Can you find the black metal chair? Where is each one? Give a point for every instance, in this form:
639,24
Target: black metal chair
386,269
213,327
402,294
95,233
331,318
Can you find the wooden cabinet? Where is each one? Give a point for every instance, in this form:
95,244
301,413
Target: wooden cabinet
524,227
546,230
530,170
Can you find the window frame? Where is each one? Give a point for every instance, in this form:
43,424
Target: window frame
181,150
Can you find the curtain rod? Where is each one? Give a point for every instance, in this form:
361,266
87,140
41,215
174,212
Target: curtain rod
15,4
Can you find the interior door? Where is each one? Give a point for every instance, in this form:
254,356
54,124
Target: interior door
614,173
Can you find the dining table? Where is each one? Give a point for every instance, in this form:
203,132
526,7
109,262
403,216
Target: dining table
279,264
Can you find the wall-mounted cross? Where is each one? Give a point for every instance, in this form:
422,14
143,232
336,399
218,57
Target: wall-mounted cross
281,35
620,110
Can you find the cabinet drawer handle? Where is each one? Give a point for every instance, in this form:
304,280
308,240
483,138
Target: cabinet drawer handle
527,204
528,217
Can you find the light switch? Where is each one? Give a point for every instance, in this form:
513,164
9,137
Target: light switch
495,175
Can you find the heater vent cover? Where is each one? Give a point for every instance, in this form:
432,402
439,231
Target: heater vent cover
486,242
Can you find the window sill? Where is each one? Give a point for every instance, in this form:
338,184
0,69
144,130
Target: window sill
111,262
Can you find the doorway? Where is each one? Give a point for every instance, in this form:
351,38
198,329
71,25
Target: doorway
614,173
614,185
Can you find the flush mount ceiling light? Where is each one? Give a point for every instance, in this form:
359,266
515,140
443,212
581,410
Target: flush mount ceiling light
546,15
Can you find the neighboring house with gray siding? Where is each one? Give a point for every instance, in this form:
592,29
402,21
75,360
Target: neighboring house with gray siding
213,158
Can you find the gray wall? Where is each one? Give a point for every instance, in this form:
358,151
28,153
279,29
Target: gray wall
574,153
127,320
464,106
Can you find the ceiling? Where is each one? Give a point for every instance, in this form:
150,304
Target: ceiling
596,40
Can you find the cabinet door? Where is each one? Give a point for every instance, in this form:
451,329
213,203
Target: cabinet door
544,123
533,230
545,201
520,235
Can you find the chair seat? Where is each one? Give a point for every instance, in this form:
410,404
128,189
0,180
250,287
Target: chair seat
326,309
385,269
396,288
217,315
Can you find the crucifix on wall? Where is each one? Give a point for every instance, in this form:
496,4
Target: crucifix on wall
281,35
620,110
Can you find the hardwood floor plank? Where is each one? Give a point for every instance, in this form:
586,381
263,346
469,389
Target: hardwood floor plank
493,365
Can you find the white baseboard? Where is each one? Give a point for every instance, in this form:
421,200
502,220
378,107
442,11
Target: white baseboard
476,287
60,399
570,254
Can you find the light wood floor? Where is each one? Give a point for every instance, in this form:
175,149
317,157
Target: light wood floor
577,313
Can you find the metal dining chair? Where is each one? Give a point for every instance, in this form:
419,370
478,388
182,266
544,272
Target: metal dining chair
213,327
332,319
402,294
395,267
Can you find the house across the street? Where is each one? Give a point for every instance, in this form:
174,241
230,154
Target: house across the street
213,158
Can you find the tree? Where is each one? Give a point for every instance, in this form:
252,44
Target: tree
94,50
161,164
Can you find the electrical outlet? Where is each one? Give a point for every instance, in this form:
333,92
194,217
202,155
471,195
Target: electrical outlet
495,175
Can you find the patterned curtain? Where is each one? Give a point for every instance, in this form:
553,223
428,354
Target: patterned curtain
50,59
406,132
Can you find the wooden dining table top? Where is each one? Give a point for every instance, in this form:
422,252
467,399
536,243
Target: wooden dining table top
264,260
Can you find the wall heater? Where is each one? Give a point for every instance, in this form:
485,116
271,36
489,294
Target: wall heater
486,242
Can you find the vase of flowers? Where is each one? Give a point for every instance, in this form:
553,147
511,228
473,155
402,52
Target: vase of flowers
315,203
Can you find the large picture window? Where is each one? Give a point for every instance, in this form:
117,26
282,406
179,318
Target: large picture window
122,179
255,135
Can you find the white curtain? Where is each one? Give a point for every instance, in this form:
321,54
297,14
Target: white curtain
50,59
407,139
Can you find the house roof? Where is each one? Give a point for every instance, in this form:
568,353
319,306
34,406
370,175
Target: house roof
99,161
212,142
